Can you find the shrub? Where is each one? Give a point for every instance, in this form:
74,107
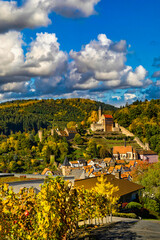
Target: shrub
125,215
133,205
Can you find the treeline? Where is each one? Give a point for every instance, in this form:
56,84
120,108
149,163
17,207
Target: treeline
143,119
26,115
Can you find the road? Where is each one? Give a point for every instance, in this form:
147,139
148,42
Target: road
128,230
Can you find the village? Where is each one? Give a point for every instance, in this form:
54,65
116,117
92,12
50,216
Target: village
123,160
92,180
118,169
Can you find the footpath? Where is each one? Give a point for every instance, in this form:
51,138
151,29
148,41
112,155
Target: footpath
121,228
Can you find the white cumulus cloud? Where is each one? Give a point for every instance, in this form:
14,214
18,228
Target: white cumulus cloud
45,70
103,61
44,61
34,13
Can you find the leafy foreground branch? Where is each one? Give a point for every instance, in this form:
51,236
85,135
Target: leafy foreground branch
54,212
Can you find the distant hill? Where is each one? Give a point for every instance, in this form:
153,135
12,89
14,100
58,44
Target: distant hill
143,119
26,115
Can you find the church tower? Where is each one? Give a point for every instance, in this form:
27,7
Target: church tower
66,167
99,113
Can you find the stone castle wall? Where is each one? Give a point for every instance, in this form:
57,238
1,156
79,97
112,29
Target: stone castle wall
138,141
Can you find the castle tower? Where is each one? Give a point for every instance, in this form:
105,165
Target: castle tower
40,135
99,113
66,167
52,132
104,125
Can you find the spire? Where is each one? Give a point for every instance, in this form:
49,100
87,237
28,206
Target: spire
66,162
99,112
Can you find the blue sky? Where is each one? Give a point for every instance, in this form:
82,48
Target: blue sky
107,50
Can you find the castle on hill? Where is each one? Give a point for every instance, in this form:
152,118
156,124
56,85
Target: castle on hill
105,123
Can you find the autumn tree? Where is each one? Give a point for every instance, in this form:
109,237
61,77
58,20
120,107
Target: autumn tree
78,139
93,117
71,124
57,209
109,193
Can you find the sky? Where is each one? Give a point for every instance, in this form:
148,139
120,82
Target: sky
105,50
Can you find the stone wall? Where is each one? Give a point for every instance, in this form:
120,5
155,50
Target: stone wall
126,132
138,141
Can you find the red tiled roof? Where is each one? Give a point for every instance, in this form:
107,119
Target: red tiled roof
132,162
107,159
45,170
108,116
120,161
122,149
74,162
118,167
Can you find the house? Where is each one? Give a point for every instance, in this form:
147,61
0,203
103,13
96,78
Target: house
128,191
47,172
105,123
126,176
124,152
74,164
110,170
96,167
69,133
120,162
78,163
148,156
90,162
132,163
118,168
82,162
66,167
109,162
127,168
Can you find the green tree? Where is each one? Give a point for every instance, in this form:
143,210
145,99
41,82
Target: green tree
78,139
92,148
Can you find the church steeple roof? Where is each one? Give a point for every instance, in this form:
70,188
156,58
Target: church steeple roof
66,162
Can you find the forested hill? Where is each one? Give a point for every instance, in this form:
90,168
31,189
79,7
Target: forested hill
26,115
143,119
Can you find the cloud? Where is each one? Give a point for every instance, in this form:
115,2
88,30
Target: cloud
45,58
44,61
34,13
74,8
152,92
101,64
156,63
11,57
136,79
45,71
129,96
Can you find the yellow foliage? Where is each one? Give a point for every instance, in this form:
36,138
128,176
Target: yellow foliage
93,117
53,212
108,190
71,124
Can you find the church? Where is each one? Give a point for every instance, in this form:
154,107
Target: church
105,123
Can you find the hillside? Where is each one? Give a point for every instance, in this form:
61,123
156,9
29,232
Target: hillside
143,119
26,115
